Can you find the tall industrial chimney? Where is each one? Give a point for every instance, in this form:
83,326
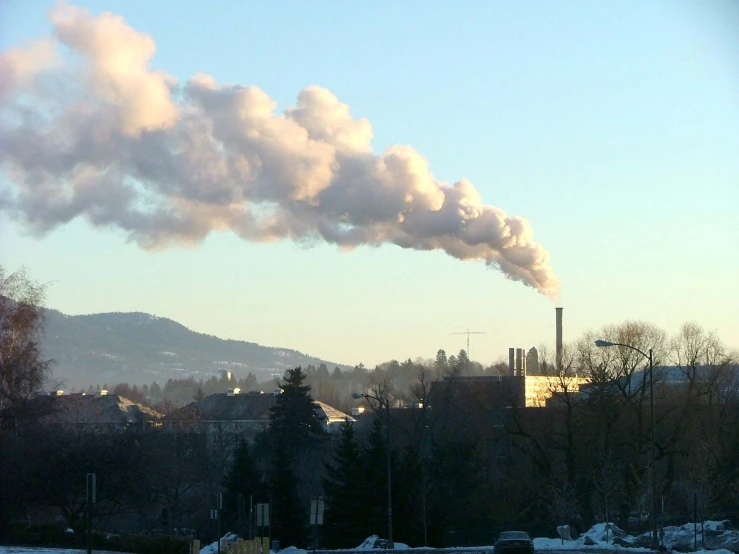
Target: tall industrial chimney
558,312
519,362
511,362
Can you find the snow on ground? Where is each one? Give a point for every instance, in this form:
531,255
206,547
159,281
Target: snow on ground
34,550
212,548
717,535
375,542
598,537
718,538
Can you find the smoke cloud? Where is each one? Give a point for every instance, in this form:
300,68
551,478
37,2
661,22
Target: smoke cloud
88,129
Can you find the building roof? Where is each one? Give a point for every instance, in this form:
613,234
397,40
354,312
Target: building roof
226,407
96,409
244,407
331,414
726,377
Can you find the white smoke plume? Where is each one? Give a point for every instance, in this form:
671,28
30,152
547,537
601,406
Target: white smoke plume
88,129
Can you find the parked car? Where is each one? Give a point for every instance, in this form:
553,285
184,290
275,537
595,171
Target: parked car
514,542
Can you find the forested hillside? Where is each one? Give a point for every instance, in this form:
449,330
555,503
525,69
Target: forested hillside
139,348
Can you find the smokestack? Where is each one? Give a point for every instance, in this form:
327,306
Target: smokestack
519,361
511,361
558,312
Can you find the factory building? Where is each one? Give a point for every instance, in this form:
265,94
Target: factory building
540,384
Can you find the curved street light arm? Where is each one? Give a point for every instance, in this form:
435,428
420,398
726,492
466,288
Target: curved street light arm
647,356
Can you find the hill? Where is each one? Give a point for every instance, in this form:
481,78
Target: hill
138,348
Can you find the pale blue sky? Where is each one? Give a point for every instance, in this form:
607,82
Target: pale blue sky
613,127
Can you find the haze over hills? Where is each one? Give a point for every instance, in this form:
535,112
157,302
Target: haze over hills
139,348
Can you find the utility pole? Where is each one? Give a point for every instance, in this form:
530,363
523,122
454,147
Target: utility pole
600,343
90,485
240,512
216,514
468,333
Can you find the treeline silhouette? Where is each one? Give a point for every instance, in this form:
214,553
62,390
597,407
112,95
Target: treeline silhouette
464,462
334,387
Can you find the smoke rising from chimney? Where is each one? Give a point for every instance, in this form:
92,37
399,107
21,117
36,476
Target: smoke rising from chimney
89,130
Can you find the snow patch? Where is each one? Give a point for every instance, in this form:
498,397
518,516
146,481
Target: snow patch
40,550
374,542
212,548
718,536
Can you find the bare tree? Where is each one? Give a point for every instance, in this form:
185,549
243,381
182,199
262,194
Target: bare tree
561,501
606,482
23,372
700,448
619,395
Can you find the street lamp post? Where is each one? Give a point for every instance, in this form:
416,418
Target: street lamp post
385,404
653,520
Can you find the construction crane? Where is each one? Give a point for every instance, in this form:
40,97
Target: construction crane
468,333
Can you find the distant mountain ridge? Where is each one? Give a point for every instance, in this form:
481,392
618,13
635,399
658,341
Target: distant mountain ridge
138,348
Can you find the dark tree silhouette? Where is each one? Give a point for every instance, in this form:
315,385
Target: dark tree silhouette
375,471
244,479
345,490
293,420
23,372
288,509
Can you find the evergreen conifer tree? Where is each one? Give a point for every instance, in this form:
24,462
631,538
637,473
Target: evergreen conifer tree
288,513
244,479
415,500
345,491
375,466
441,364
463,362
294,431
293,419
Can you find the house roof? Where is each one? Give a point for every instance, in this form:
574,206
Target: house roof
92,409
331,414
244,407
224,407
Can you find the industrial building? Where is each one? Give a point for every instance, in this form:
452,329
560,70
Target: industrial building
542,384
